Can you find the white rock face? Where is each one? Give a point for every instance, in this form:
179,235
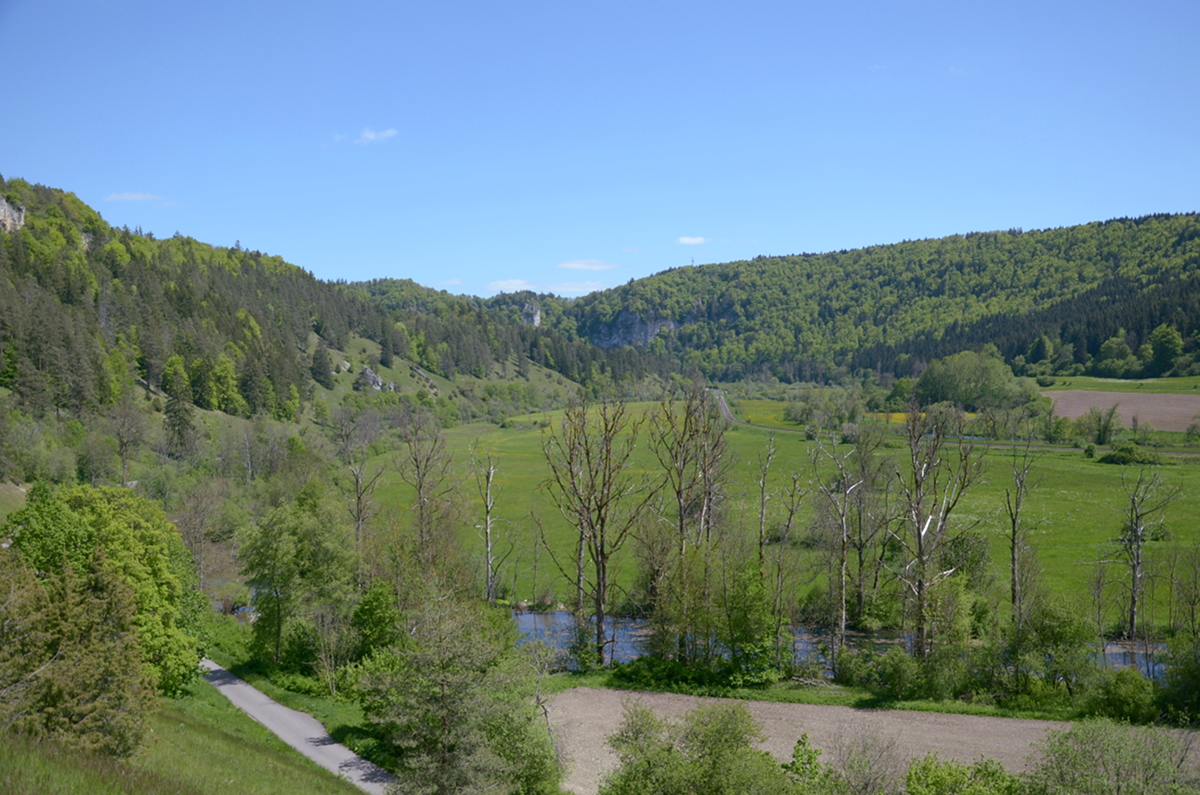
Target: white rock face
11,218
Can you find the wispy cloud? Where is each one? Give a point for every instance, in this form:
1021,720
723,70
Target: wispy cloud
451,282
588,265
693,241
370,136
576,288
511,286
132,196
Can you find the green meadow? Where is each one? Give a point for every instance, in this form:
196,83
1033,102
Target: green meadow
1075,509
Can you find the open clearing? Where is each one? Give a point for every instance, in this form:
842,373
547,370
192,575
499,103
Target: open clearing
1164,412
583,717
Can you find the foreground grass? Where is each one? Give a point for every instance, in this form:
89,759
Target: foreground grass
197,744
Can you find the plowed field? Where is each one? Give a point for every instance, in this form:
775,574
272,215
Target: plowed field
1164,412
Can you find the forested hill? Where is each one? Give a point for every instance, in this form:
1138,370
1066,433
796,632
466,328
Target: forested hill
85,308
804,316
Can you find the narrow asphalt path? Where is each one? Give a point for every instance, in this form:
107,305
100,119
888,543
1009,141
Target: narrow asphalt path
299,730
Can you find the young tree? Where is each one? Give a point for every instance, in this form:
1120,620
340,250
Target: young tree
425,464
688,438
128,425
451,700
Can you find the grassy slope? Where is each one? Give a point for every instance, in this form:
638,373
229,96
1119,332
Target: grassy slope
199,743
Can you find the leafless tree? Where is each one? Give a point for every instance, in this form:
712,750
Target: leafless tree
485,483
198,508
425,464
942,466
593,487
1021,459
1142,521
128,424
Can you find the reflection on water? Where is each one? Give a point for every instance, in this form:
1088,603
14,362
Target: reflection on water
556,629
809,646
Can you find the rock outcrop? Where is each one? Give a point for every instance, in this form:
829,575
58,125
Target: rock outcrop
11,218
629,329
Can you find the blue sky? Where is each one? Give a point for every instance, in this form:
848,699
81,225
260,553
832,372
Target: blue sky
566,147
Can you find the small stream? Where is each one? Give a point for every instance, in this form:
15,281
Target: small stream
556,629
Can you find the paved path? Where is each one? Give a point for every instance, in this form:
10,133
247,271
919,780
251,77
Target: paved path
299,730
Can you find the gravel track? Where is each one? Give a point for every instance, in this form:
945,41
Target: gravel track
583,717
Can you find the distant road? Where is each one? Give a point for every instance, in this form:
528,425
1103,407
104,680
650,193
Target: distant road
299,730
728,415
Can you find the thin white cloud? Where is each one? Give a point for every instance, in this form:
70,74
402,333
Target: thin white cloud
693,241
576,288
588,265
510,286
451,282
132,196
370,136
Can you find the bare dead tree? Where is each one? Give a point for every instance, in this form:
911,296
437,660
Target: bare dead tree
425,464
765,457
837,489
794,496
128,424
1142,521
198,507
942,466
593,487
485,484
1021,460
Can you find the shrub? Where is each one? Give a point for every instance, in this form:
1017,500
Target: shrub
1125,695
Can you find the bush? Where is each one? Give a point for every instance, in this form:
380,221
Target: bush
1097,757
1128,453
1124,695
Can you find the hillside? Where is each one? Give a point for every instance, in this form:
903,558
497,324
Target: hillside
87,309
804,316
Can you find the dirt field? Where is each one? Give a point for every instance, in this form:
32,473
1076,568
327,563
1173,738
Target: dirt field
584,717
1164,412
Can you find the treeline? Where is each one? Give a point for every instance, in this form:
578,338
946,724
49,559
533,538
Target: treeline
804,317
1069,335
86,310
451,334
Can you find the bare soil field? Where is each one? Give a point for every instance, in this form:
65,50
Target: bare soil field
584,717
1164,412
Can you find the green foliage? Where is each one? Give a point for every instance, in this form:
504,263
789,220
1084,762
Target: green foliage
140,546
975,381
70,662
1181,691
297,559
1102,758
450,703
932,776
710,752
1124,695
1128,453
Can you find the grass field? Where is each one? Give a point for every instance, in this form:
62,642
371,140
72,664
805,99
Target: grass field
1188,385
1075,508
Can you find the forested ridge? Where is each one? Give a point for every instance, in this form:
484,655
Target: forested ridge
802,317
85,308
